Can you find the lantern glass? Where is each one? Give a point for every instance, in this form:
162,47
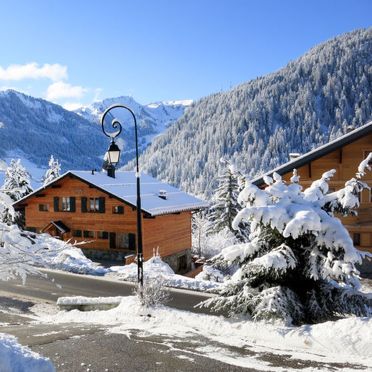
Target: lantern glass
113,154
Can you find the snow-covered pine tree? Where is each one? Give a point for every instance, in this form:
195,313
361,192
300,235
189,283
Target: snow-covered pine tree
7,213
225,205
17,182
300,263
53,171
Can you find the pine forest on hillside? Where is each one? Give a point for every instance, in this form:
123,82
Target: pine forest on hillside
257,124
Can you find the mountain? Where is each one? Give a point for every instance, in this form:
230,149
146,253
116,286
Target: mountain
152,119
257,124
34,129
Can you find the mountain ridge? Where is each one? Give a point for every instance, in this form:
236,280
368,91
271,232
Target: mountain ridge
258,123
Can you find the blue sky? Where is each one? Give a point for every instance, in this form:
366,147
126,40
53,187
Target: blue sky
74,52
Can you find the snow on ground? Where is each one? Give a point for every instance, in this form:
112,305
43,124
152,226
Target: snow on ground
73,260
15,357
343,341
156,268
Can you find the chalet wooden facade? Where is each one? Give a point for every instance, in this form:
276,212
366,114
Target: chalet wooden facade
89,206
343,154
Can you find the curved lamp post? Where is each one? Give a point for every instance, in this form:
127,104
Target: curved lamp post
112,157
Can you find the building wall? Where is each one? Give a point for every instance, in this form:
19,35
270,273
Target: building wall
171,234
345,161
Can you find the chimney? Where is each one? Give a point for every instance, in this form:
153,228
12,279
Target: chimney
162,194
294,155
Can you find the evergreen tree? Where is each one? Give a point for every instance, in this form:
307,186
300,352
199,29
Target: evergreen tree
17,182
225,202
300,263
52,172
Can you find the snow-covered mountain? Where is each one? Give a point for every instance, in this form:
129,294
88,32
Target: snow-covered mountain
33,129
257,124
152,119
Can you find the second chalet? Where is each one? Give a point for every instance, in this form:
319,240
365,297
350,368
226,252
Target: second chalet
343,154
90,206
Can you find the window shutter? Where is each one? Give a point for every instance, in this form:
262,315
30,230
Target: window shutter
101,202
72,204
56,204
84,205
132,241
112,236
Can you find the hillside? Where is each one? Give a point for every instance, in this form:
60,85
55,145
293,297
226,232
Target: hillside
258,123
33,129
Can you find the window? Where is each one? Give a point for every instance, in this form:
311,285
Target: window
356,239
88,234
66,204
77,233
102,235
43,207
118,209
126,241
93,205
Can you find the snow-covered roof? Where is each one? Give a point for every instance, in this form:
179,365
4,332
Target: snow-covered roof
317,153
123,187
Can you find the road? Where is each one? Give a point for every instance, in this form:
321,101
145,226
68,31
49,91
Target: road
91,347
59,284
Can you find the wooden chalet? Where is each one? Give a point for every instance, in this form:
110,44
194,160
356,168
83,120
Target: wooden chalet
343,154
90,206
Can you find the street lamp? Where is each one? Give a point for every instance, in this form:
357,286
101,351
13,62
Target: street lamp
112,158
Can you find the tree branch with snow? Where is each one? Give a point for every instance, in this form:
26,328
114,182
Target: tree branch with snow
299,265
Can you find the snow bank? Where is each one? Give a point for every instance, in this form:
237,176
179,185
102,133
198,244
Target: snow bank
156,268
73,260
17,358
343,341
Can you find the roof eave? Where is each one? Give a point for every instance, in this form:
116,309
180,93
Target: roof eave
317,153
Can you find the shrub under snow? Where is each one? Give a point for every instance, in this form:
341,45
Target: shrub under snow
300,263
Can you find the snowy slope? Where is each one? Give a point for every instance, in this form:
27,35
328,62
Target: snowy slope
257,124
33,129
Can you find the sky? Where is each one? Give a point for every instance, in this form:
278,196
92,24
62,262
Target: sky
76,52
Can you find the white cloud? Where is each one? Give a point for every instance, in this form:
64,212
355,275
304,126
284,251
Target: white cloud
71,106
53,72
61,89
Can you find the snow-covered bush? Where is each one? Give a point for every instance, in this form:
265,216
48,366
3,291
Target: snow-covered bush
153,293
22,253
300,263
52,172
215,243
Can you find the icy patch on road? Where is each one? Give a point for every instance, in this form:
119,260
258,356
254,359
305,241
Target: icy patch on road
347,341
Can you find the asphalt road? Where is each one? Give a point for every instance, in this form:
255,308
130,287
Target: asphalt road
88,347
59,284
